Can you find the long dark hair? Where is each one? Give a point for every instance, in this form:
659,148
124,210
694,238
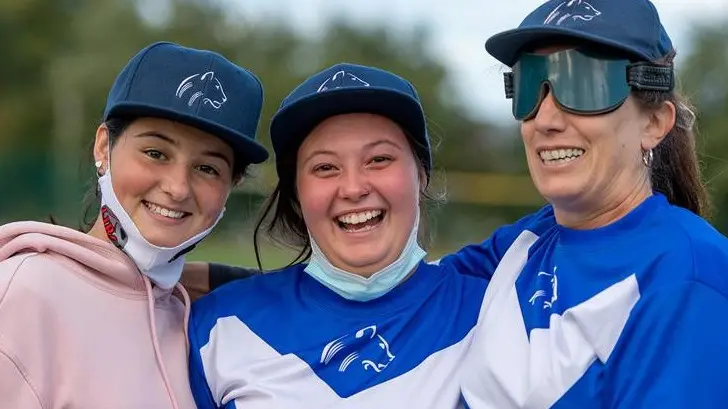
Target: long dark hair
675,169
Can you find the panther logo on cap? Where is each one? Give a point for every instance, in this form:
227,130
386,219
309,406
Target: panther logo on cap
572,9
340,80
216,97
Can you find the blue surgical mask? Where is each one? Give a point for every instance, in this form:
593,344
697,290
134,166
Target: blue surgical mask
358,288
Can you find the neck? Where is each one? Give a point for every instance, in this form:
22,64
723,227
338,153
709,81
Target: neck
603,211
98,231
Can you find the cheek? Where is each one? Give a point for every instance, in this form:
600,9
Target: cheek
131,180
315,196
614,141
400,189
528,130
211,197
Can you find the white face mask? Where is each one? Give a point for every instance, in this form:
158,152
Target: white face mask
163,265
358,288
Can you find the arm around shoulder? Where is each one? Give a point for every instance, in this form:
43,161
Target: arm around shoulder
481,259
199,278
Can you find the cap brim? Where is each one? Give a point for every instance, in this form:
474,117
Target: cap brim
507,46
292,124
244,147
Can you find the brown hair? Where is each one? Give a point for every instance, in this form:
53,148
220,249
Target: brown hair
675,169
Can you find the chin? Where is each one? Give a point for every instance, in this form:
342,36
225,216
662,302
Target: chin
163,239
559,189
562,197
365,264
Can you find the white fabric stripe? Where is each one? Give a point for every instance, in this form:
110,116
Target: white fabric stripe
242,367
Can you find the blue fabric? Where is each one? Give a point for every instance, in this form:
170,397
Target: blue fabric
629,25
670,352
199,88
294,314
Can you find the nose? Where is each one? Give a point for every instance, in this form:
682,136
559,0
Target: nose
549,117
176,183
354,185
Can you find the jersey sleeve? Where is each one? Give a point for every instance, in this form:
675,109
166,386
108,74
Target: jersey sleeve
481,259
198,381
672,352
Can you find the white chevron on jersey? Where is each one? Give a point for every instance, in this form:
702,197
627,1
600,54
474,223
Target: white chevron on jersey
237,356
513,371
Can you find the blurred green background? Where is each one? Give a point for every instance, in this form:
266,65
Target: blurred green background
59,58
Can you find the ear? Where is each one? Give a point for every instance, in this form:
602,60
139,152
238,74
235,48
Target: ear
660,123
101,147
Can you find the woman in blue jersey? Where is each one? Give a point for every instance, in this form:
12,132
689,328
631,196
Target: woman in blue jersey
615,295
366,322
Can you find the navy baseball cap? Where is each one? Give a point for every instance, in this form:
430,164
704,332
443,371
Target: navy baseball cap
198,88
349,88
632,26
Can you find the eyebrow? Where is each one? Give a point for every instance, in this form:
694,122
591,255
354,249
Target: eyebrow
366,147
170,140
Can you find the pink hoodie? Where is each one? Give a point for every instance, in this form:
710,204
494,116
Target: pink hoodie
80,327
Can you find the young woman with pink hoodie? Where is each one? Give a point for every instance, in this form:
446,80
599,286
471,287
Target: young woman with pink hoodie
97,319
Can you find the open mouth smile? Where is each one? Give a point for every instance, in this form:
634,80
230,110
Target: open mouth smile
165,212
360,221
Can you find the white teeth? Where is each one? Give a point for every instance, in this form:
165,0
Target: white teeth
356,218
172,214
561,155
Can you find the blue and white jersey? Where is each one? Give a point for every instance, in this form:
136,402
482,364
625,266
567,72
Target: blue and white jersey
283,340
631,315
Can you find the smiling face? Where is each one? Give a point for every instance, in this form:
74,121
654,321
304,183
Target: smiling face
578,161
171,179
590,167
358,184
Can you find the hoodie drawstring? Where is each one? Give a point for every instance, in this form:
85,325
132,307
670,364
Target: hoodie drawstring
155,341
188,308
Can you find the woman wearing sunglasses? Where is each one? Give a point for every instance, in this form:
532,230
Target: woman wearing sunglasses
617,296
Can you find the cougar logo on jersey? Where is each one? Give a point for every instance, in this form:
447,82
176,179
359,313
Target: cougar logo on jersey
554,281
365,346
